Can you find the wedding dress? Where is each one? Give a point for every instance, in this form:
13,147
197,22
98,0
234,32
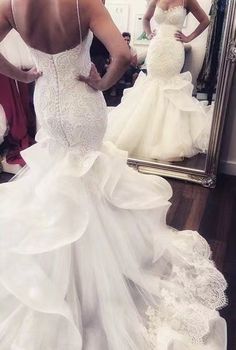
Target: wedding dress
86,258
158,118
16,51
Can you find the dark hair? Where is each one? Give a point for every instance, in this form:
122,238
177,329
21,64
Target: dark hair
126,34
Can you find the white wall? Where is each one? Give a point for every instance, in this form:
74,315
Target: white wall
136,7
228,155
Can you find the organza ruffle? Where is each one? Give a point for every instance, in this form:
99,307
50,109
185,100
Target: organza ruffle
87,261
167,122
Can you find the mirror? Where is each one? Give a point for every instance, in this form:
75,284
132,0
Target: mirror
170,119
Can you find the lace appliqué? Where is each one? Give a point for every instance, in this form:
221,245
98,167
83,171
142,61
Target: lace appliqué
174,15
189,306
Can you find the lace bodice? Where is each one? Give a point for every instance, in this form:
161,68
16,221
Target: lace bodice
161,63
174,16
69,112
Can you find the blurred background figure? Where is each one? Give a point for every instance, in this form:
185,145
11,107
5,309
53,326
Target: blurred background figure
133,71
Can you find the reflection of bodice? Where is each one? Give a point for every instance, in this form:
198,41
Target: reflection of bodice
174,16
170,20
161,62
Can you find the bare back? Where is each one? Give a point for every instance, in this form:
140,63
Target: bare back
55,26
50,26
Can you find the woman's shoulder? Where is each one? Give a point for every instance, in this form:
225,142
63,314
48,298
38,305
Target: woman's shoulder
6,17
5,8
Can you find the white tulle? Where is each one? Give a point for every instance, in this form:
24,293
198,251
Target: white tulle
158,118
87,261
87,258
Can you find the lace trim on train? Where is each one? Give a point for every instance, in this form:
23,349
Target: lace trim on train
202,293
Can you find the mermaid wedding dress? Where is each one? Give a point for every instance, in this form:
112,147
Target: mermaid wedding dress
87,261
158,118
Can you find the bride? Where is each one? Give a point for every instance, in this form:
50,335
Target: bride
167,123
87,261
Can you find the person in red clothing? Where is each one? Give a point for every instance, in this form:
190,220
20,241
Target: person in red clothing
16,101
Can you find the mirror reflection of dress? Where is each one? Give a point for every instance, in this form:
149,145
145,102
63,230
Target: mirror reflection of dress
158,118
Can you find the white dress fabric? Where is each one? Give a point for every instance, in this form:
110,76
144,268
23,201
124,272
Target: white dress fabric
3,124
158,118
87,261
16,51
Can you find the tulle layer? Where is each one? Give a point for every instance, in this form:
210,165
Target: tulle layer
160,119
87,261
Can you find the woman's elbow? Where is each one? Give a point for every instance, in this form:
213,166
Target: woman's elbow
146,20
125,58
206,22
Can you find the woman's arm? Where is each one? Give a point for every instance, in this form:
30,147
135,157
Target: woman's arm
6,68
147,18
194,7
104,29
134,57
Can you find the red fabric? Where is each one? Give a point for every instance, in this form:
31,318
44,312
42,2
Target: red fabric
20,119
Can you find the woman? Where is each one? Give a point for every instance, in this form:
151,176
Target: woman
167,123
89,262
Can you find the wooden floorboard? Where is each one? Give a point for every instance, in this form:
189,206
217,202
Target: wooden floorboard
213,214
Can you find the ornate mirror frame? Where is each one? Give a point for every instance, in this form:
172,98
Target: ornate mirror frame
208,176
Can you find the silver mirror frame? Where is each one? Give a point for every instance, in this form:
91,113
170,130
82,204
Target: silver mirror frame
208,177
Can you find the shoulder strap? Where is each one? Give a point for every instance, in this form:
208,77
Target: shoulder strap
13,13
79,21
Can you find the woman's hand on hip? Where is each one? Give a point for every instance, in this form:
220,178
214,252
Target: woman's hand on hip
93,80
31,75
181,37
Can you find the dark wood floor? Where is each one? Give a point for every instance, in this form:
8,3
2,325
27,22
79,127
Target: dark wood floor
213,214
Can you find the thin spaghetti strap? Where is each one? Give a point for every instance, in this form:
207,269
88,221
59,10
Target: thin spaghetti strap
79,21
13,13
